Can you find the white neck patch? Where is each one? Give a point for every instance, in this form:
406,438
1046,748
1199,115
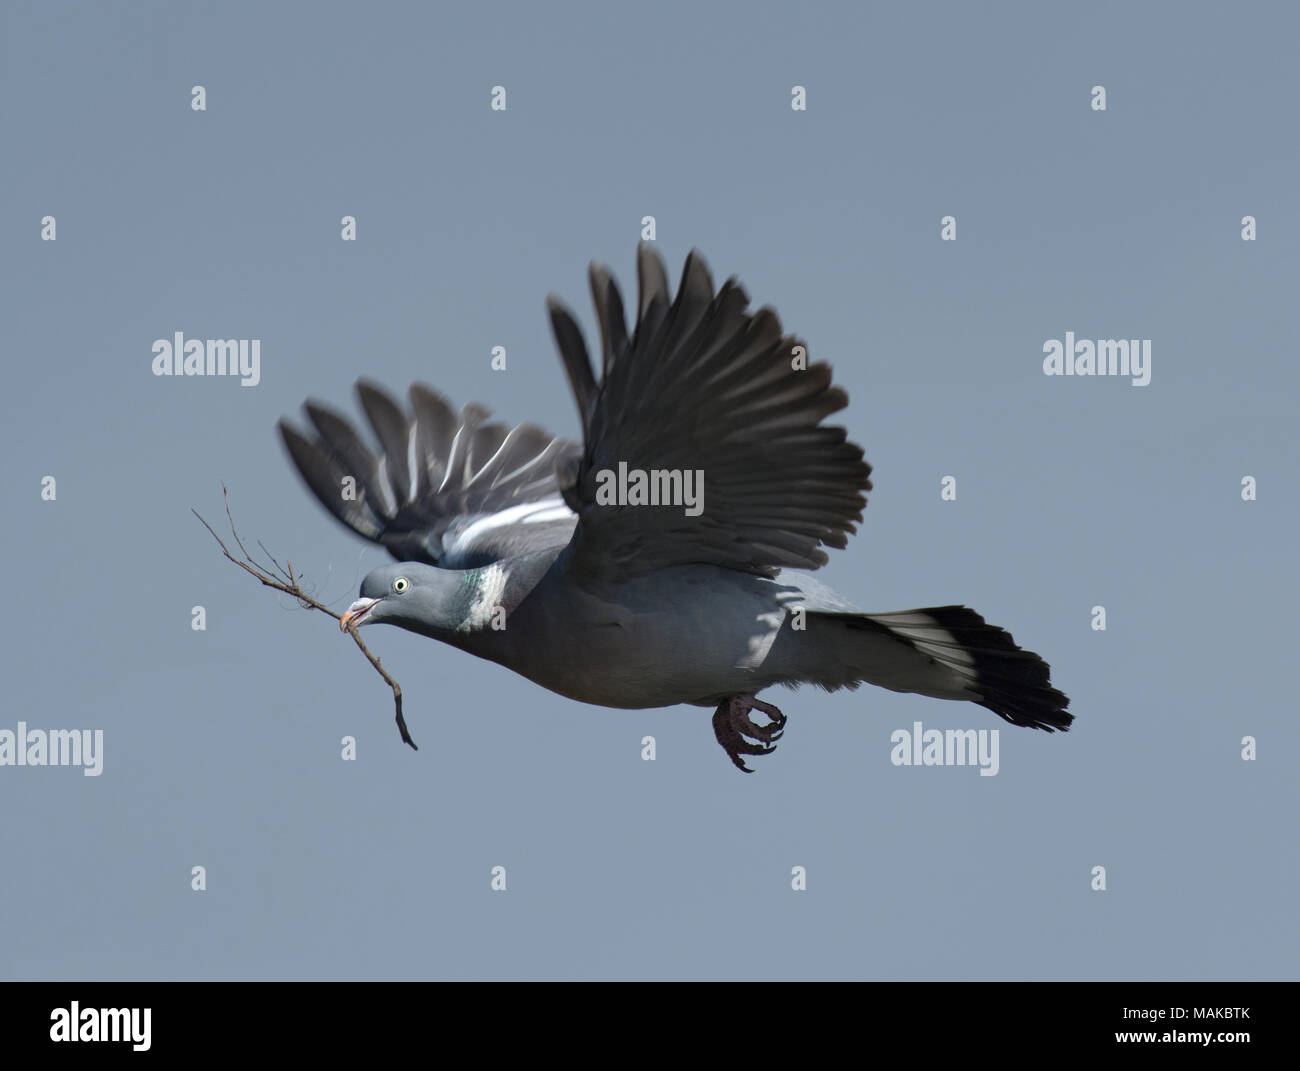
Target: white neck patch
491,589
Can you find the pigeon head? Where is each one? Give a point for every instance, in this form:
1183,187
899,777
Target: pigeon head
428,600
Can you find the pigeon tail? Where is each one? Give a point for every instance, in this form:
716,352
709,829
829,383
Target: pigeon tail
982,659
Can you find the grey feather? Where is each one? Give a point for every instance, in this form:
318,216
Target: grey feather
467,471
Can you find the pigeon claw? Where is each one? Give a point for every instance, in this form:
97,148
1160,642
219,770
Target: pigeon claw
739,735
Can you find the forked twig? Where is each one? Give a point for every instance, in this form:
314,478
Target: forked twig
283,578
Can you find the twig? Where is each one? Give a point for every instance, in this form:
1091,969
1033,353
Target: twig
285,580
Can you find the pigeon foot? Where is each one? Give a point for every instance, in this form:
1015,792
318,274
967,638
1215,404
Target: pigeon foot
737,733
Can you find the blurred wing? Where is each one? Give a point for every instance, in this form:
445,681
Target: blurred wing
445,489
703,386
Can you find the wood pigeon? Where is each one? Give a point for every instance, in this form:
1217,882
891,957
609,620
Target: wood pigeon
664,559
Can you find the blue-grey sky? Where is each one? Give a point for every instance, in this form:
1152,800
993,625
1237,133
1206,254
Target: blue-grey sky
222,747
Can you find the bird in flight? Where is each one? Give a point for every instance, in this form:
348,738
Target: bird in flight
664,559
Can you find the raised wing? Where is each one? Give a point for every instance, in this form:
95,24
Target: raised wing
445,489
702,387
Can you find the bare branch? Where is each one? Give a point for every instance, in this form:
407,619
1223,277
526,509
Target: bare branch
225,493
278,567
265,575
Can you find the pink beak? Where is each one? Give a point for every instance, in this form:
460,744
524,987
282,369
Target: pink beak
354,613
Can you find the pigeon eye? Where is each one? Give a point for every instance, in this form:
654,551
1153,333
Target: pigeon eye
401,584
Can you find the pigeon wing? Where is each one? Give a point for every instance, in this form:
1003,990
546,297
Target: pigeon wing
703,386
447,489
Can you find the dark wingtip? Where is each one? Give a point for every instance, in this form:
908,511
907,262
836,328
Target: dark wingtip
573,353
368,387
288,433
697,280
652,277
608,300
